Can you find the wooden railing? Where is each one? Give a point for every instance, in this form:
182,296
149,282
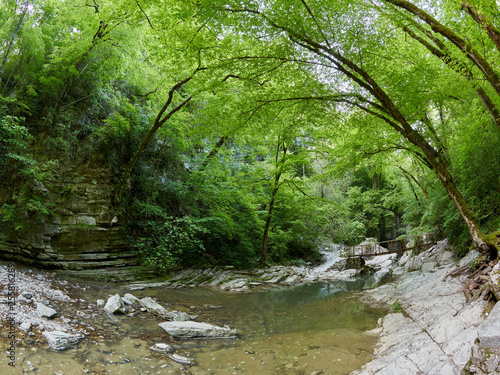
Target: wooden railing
420,242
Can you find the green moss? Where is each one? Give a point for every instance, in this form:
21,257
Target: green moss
493,238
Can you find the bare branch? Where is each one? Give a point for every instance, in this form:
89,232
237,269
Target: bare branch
145,15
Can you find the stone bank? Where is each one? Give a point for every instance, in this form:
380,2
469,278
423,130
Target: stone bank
436,330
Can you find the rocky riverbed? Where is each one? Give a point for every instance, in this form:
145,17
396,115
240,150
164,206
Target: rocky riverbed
85,325
436,327
333,268
433,329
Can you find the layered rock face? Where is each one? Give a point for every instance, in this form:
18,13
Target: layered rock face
83,234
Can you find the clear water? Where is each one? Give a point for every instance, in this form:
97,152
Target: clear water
309,329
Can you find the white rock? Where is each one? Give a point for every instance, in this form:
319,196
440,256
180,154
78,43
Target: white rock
25,326
115,305
471,257
27,295
489,332
195,329
155,308
381,261
428,266
160,347
60,340
45,311
494,281
439,329
180,359
132,300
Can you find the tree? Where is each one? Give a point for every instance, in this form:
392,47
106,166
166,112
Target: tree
332,35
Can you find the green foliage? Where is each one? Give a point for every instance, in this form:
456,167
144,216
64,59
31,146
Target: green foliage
22,175
85,84
174,243
396,307
371,199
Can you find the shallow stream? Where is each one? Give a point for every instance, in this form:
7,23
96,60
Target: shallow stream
308,329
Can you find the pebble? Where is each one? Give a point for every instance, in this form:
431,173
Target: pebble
180,359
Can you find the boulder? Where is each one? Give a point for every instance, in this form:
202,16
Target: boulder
45,311
197,330
155,308
115,305
60,340
25,326
381,261
132,300
494,281
27,295
489,332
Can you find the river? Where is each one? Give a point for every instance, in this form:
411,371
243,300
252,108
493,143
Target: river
307,329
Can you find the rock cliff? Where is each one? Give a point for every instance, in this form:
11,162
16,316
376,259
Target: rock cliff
83,235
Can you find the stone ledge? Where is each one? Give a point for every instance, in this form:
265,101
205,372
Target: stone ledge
489,331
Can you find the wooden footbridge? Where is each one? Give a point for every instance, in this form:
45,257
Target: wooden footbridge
400,245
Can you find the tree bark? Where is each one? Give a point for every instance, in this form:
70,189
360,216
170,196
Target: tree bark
212,153
276,185
484,22
473,55
161,118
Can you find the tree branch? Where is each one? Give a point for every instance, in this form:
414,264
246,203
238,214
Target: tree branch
161,118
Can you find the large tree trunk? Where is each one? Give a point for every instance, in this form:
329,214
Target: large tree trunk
463,209
276,185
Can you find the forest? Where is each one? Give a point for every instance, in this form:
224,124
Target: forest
245,133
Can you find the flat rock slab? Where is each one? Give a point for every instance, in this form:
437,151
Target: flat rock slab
489,332
438,328
180,359
155,308
45,311
197,330
61,340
